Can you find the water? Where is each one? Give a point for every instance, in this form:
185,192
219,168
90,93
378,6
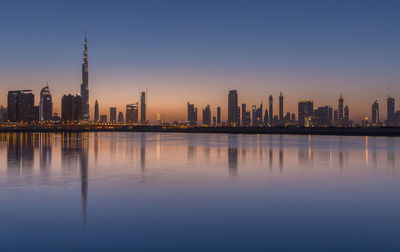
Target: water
198,192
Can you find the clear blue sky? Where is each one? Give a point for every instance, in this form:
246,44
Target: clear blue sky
198,50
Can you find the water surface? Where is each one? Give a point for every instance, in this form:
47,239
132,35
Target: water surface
197,192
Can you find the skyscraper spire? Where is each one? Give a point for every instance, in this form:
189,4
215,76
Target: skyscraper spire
85,84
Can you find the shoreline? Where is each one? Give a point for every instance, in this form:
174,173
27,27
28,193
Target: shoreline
359,131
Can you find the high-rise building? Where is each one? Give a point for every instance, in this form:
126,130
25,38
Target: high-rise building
85,83
191,114
207,116
232,108
120,117
20,106
257,119
390,111
45,105
375,112
346,119
397,118
271,109
3,114
281,107
103,118
306,109
323,115
266,117
219,116
340,109
244,114
237,117
96,111
71,108
132,113
113,114
143,108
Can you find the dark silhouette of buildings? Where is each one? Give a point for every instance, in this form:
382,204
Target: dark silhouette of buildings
340,109
306,109
257,115
20,106
346,119
120,117
113,114
397,118
45,105
207,115
323,115
219,116
143,108
271,109
390,111
85,84
96,111
192,114
71,108
375,112
246,116
103,118
132,113
233,108
281,107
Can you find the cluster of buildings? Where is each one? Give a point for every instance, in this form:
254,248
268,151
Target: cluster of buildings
307,114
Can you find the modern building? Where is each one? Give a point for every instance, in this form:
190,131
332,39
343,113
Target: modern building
71,108
45,105
271,109
143,108
113,114
266,117
305,110
85,83
397,118
346,119
218,116
281,107
232,108
257,119
191,114
244,111
120,117
96,111
323,115
375,112
132,113
390,112
207,116
20,106
340,109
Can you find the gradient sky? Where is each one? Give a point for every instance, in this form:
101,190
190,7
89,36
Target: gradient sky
197,50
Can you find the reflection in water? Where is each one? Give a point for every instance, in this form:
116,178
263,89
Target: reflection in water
45,142
143,153
20,154
232,155
280,153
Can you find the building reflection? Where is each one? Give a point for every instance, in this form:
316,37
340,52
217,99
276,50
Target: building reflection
191,147
232,155
143,152
20,154
45,148
280,153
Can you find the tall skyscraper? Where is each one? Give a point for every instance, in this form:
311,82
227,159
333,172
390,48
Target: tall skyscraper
132,113
340,109
191,114
375,112
281,107
71,108
232,107
143,108
20,106
85,84
271,109
113,114
390,111
306,109
207,116
45,105
96,111
219,116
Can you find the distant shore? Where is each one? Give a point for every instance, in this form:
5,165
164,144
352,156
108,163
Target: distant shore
354,131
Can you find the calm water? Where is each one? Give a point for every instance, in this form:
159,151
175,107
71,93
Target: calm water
198,192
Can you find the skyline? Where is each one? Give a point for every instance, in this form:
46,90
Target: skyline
140,46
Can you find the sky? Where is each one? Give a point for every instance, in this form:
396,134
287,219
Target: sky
197,51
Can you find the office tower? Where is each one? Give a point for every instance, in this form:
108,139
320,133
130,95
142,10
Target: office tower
375,112
293,117
103,118
207,116
271,109
397,118
96,111
214,121
253,115
143,108
71,108
36,113
280,107
3,114
45,105
113,114
390,111
305,110
219,116
120,117
335,115
257,115
132,113
20,105
85,84
192,114
346,118
237,116
323,115
243,114
340,109
232,107
247,119
266,117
